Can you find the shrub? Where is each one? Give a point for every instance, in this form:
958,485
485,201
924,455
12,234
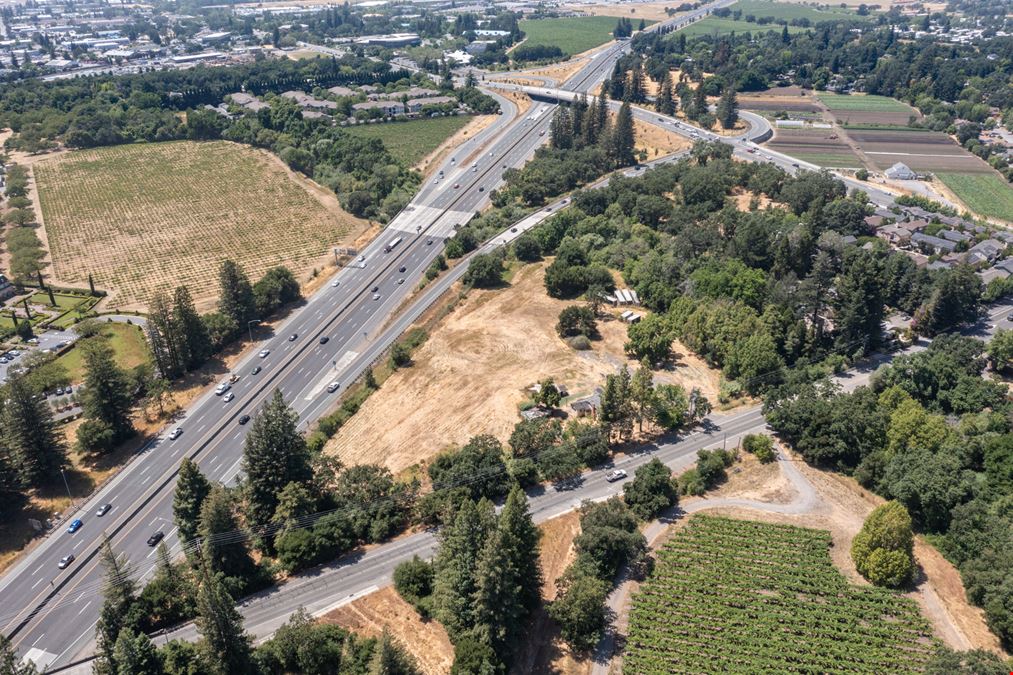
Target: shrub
883,549
760,445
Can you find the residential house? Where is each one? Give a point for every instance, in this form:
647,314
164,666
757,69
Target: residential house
939,265
934,244
342,91
954,235
249,102
894,234
416,104
588,406
913,226
991,274
984,252
304,100
388,108
874,221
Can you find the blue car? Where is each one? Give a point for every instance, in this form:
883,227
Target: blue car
75,525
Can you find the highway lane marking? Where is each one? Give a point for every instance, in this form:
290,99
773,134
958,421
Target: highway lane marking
202,428
84,608
38,568
79,542
78,598
38,639
36,584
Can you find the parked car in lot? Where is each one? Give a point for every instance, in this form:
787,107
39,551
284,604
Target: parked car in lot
75,525
104,509
614,475
155,538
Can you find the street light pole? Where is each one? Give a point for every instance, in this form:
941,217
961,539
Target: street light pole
66,484
249,326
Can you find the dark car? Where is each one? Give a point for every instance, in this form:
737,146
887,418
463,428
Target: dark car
324,339
244,419
255,370
402,268
376,288
292,337
155,538
102,510
65,561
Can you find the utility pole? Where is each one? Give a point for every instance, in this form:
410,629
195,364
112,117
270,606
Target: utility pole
249,326
66,484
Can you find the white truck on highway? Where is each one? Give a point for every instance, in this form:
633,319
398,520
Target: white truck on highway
390,247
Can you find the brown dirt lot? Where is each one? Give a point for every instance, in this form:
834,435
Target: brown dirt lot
773,103
145,216
369,615
654,11
816,146
656,141
920,150
481,359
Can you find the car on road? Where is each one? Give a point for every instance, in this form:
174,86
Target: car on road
614,475
104,509
176,433
481,188
376,296
457,185
1008,318
33,340
400,281
513,229
228,397
333,387
429,242
541,133
375,289
222,388
293,337
75,525
255,370
362,258
65,561
402,269
244,419
795,164
263,353
334,284
324,339
155,538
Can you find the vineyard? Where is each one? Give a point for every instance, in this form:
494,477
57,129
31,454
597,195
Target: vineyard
144,216
735,596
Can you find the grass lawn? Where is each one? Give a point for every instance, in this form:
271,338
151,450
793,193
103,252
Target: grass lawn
984,193
129,349
63,301
411,141
713,25
789,11
574,34
863,103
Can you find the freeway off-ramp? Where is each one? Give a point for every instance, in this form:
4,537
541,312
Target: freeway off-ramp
51,613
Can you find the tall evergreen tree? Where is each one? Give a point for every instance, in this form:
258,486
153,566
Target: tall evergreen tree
275,455
454,581
521,541
728,108
496,604
107,397
236,299
636,90
698,108
222,545
622,138
135,654
164,336
859,304
192,488
616,85
119,607
10,662
197,342
34,446
225,645
390,658
615,414
665,101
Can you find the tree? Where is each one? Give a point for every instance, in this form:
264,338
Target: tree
955,300
622,138
497,603
106,398
390,658
946,661
520,540
119,607
651,491
222,545
859,307
642,392
760,445
531,438
236,299
577,320
225,645
277,287
413,581
616,412
274,455
192,488
28,433
650,339
164,336
1000,349
474,657
169,597
135,654
665,102
883,549
196,340
755,362
728,108
579,609
548,393
455,580
485,270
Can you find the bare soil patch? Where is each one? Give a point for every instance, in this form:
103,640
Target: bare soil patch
657,142
815,145
774,103
920,150
654,11
473,372
426,640
140,217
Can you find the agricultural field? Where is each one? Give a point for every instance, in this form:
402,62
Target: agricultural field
574,34
862,110
411,141
741,596
984,193
816,146
713,25
921,150
144,216
787,12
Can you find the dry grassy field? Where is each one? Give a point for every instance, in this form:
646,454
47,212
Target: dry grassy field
139,217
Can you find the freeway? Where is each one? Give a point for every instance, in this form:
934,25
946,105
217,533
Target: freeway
51,612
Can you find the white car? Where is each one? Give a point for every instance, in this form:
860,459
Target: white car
263,353
176,433
333,387
228,397
334,284
222,388
614,475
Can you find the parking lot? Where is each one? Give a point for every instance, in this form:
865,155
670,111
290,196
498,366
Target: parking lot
51,340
